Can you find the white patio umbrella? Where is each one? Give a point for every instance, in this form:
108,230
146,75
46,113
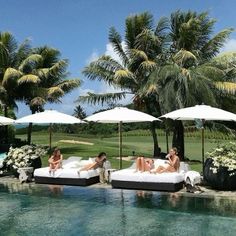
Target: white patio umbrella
201,112
6,121
120,115
49,117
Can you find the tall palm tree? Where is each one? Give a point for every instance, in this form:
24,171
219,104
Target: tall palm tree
188,77
138,59
41,78
11,55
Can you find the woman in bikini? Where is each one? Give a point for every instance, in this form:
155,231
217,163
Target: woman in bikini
55,161
98,163
172,165
144,164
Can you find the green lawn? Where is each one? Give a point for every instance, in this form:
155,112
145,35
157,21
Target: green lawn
141,145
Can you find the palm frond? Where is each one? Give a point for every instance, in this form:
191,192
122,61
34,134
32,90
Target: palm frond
210,71
23,52
185,58
228,87
29,78
92,98
31,62
213,46
37,101
148,66
116,41
162,27
135,24
54,93
59,68
10,74
9,41
4,60
68,85
102,69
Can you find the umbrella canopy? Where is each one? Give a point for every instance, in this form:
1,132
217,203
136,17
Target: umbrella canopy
49,117
201,112
6,121
120,115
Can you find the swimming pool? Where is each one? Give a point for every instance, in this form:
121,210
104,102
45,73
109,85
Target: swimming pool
55,210
2,156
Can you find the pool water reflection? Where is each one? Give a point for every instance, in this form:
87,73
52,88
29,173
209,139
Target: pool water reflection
56,210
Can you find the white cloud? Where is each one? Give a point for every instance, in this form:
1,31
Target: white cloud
93,57
230,45
110,52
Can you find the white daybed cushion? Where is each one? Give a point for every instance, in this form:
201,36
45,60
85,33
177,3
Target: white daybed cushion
129,174
66,173
70,168
75,162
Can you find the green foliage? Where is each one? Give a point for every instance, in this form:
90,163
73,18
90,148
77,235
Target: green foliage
224,156
23,156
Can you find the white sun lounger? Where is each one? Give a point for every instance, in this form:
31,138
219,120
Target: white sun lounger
68,174
129,179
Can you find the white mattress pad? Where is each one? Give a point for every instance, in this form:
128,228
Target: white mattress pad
66,173
131,175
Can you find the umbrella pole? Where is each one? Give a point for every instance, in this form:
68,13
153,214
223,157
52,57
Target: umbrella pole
50,136
167,142
120,143
202,150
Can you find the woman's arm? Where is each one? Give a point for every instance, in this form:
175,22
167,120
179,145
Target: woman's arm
50,160
173,162
60,160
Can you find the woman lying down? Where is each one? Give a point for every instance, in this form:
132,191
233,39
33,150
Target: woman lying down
171,164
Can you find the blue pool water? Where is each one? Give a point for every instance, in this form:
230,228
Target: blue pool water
54,210
2,156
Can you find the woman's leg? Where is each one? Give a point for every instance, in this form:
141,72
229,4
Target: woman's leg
142,164
138,164
89,166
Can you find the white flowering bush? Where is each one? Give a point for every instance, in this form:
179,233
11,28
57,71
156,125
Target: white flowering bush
23,156
224,156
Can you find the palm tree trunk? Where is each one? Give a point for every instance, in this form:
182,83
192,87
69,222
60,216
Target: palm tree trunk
156,149
29,131
6,126
178,138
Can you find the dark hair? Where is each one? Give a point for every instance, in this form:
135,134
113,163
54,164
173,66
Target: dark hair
56,150
102,154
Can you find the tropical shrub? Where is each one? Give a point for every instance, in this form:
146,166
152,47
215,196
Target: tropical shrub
24,156
224,156
220,167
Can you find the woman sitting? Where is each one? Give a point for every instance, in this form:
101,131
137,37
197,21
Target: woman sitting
144,164
172,165
98,163
55,161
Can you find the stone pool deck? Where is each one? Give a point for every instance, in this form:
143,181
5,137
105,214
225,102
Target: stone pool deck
206,190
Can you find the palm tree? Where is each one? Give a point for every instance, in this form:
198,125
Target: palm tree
79,112
138,59
188,77
41,78
11,55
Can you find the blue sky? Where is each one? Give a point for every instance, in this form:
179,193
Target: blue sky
79,29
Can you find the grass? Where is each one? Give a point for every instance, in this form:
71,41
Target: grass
141,145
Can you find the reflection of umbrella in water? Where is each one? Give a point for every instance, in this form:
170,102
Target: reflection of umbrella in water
120,115
200,113
49,117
